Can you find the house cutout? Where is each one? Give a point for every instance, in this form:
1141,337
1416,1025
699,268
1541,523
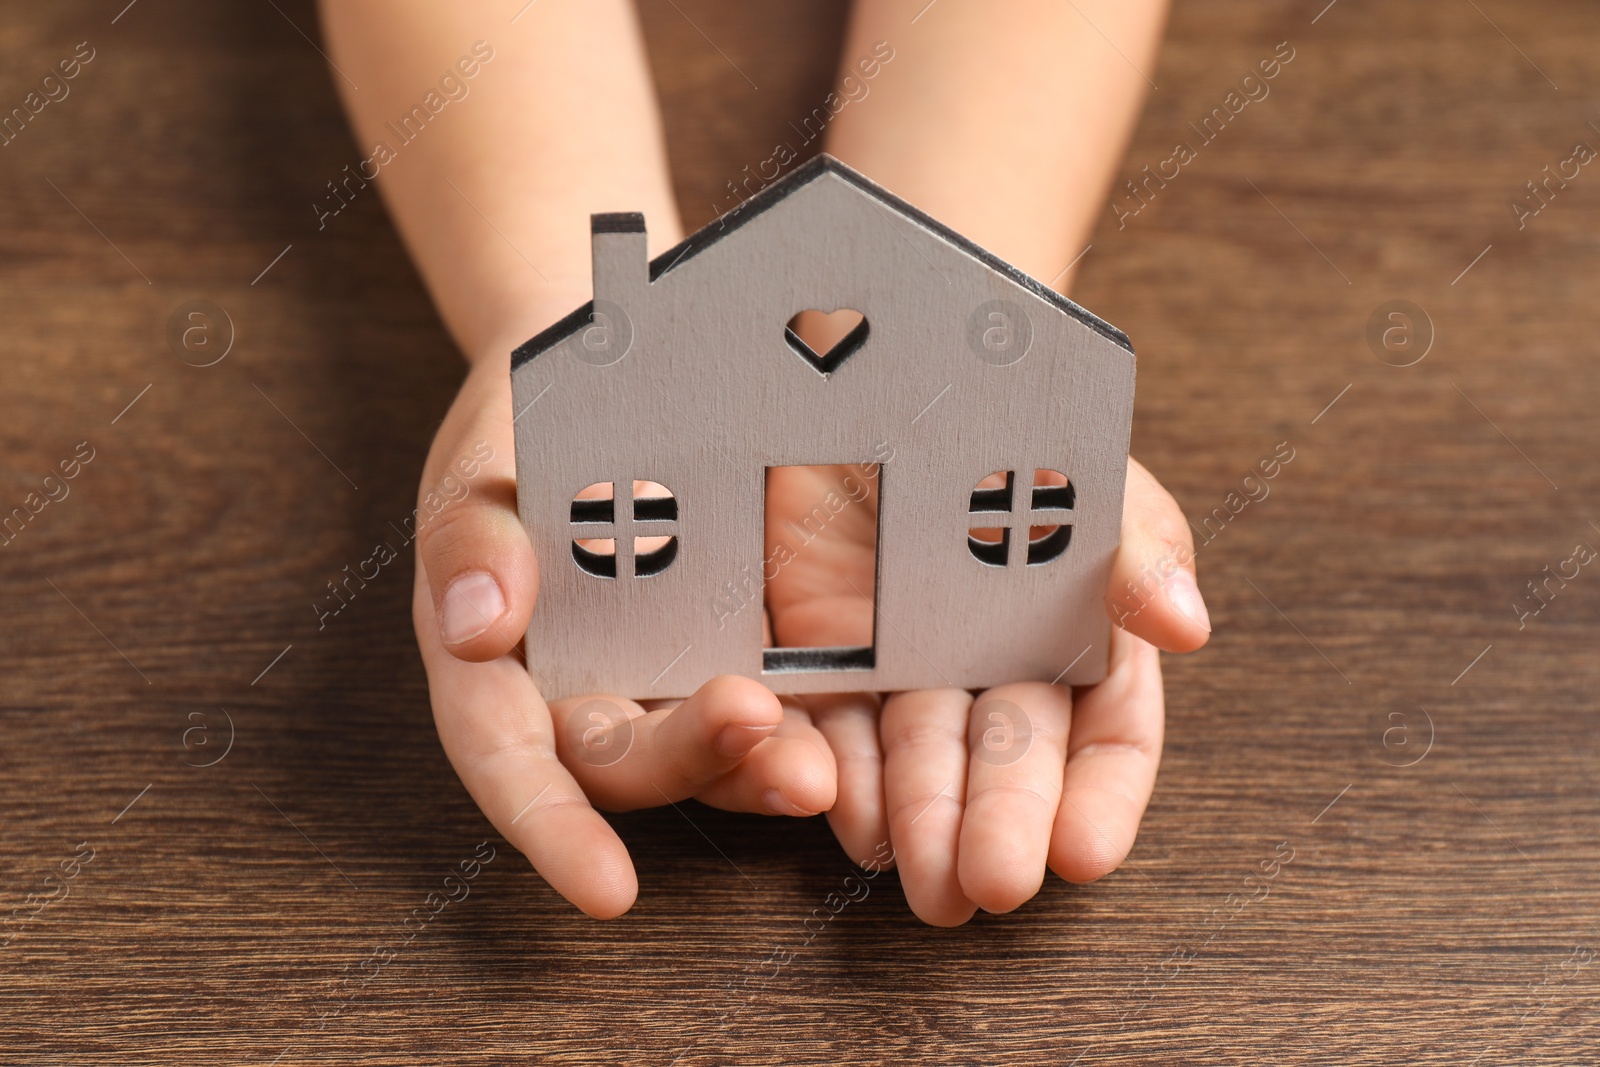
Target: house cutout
996,412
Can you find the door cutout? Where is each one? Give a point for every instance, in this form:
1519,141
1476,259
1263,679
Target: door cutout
820,567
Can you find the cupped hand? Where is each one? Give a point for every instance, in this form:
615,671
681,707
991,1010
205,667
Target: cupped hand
539,770
915,772
978,795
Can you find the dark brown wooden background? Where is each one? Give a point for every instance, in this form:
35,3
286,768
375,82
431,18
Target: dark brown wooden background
1437,913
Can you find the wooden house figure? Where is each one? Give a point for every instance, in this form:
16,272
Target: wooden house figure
683,372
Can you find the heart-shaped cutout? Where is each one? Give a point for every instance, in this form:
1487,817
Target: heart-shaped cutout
826,339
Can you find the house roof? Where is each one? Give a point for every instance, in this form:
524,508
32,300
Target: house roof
776,193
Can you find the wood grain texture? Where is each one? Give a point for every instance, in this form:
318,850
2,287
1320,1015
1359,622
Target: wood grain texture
1430,913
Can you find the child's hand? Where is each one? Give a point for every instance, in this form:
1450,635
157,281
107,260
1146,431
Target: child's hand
971,825
978,796
534,769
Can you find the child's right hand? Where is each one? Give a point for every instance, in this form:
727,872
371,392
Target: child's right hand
533,768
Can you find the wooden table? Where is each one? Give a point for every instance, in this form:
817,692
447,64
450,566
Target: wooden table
1427,904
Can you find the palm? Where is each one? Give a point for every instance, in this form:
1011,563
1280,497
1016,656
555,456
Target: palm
820,597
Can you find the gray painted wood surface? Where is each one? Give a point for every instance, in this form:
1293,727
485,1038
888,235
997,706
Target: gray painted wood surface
680,373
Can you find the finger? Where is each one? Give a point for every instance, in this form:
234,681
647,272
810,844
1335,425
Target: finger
1018,738
625,757
790,773
482,577
924,737
849,724
497,732
1152,591
1112,758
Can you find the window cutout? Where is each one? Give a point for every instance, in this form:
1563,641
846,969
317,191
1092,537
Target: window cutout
653,560
597,555
990,544
826,339
594,504
1049,546
993,493
1043,512
1052,496
1051,493
664,508
814,514
633,537
654,503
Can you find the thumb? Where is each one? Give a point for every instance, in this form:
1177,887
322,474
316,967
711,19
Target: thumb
480,567
1152,593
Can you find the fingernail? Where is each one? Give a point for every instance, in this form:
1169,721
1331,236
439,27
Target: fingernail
737,740
1183,593
471,605
779,804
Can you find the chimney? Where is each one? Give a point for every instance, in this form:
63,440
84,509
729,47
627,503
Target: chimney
621,259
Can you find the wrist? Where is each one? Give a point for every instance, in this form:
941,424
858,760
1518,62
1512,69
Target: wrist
506,319
502,333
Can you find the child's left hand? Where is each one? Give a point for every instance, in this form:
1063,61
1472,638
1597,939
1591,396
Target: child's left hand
534,768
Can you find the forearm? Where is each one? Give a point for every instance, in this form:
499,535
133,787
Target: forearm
492,197
1004,120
